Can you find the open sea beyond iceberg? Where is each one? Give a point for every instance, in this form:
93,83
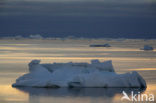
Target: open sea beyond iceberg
126,54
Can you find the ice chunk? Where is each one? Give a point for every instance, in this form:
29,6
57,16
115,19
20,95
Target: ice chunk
100,45
94,74
104,66
33,64
95,61
147,47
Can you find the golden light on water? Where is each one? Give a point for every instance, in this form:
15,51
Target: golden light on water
12,94
85,48
142,69
104,58
15,57
151,87
117,98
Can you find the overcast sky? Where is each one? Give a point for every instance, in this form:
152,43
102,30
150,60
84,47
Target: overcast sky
80,18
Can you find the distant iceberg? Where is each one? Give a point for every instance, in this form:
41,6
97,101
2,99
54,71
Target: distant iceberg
147,47
100,45
94,74
37,36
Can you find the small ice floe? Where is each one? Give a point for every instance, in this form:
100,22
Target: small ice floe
100,45
94,74
147,47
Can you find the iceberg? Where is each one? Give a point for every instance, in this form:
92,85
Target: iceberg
94,74
37,36
100,45
147,47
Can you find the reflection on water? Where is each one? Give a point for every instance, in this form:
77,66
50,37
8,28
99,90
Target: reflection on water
68,94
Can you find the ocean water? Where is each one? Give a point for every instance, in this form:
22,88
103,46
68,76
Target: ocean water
126,55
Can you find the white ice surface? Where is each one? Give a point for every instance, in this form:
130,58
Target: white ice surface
95,74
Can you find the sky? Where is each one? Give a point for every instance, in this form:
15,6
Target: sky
79,18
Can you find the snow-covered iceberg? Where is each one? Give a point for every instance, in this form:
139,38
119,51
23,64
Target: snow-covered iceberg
94,74
147,47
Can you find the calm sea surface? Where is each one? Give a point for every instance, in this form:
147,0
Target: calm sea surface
125,54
